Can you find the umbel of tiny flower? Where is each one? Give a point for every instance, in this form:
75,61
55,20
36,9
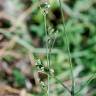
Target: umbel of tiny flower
43,85
39,64
45,7
43,68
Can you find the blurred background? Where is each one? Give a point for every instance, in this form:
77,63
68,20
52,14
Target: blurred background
23,44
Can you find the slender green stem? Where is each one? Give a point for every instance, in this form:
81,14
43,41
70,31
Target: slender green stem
47,51
68,49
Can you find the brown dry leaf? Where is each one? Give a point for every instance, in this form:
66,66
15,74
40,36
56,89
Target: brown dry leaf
8,91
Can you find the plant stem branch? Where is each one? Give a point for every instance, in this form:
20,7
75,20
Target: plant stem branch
47,52
68,49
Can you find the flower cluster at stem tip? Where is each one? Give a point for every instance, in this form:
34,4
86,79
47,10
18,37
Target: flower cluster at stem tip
45,7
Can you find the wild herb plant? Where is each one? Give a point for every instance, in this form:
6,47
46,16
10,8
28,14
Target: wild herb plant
50,40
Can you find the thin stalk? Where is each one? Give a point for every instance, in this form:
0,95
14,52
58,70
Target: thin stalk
68,49
47,51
